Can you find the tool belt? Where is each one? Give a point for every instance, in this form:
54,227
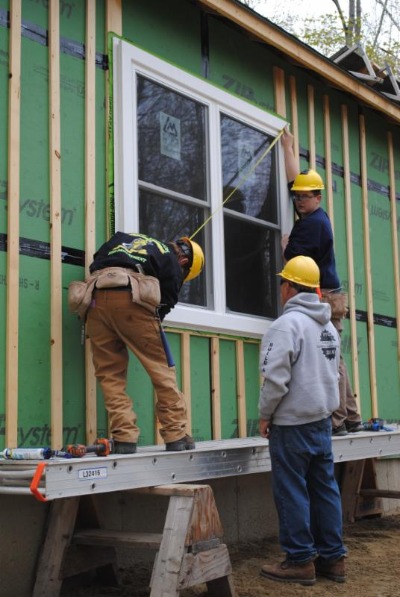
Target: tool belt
145,289
337,301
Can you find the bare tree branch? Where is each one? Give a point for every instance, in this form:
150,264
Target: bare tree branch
393,20
341,15
379,28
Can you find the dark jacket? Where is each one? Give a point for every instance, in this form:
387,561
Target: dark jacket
312,236
155,257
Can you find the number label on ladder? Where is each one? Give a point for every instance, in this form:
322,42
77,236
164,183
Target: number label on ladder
87,474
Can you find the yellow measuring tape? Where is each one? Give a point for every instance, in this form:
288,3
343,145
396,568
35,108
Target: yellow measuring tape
243,179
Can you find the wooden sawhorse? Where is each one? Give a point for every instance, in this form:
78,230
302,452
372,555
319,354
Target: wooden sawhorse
360,493
190,548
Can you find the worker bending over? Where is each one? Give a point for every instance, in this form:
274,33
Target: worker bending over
138,283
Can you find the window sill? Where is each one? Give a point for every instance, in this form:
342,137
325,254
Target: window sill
204,320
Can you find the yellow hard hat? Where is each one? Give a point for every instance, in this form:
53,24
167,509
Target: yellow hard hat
301,270
197,256
308,180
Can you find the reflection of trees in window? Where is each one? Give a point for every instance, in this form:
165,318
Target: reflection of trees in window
168,220
172,156
171,140
242,146
250,267
250,246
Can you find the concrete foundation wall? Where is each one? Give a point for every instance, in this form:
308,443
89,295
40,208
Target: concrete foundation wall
244,503
22,528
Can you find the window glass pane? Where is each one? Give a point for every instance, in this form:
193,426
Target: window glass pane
171,139
167,220
242,147
250,263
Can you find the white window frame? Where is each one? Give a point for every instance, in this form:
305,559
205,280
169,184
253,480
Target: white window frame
129,60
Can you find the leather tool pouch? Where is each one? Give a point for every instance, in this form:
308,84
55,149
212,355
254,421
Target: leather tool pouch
145,289
338,303
80,296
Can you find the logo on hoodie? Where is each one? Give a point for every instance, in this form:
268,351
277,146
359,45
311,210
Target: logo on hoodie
328,345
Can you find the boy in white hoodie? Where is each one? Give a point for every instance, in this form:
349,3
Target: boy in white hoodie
299,364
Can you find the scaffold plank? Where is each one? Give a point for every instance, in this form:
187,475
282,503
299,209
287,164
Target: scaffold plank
152,465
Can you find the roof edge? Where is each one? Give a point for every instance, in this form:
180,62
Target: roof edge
265,31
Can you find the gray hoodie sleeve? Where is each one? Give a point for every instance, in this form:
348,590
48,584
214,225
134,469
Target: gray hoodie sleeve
276,355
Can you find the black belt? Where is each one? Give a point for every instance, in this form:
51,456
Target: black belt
118,288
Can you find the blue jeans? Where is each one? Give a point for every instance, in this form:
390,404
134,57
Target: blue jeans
305,491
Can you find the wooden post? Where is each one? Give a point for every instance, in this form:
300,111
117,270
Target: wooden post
241,389
166,569
311,125
60,529
351,483
215,389
395,244
186,378
279,89
295,118
12,319
328,161
56,360
113,25
367,267
350,253
114,17
90,200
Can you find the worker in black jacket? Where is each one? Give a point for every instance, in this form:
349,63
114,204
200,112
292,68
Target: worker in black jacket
138,283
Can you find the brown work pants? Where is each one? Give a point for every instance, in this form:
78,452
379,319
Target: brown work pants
114,325
348,410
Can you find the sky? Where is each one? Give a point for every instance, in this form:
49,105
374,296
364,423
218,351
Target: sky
308,7
312,7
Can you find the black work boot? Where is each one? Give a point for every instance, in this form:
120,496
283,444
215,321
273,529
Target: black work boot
354,427
339,431
303,574
124,447
179,445
333,569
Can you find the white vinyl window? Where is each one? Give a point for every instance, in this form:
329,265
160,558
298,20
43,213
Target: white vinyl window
193,160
